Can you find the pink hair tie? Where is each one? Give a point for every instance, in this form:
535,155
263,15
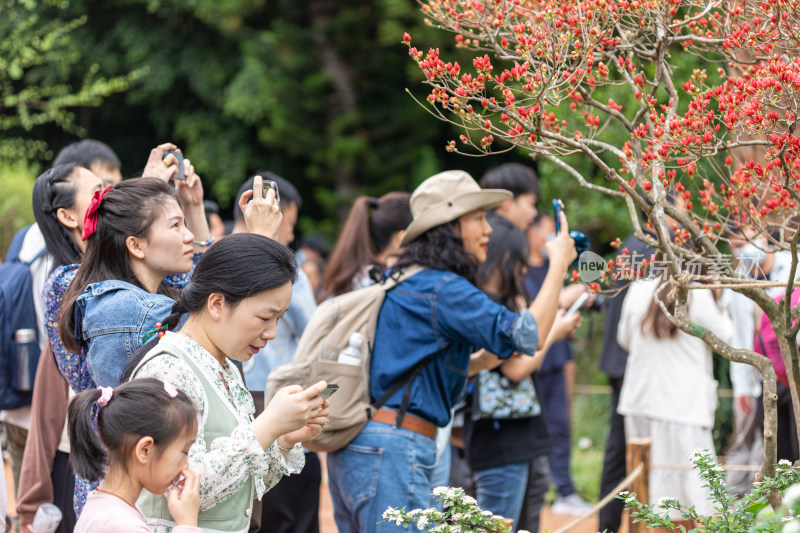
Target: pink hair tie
106,393
171,390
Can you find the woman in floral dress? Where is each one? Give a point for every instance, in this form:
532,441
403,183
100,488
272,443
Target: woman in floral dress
239,290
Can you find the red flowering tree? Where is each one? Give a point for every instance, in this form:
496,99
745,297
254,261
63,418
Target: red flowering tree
598,79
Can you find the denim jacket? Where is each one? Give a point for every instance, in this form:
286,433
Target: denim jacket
115,315
437,311
75,367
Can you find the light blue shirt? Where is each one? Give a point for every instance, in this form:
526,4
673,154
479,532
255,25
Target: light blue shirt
280,350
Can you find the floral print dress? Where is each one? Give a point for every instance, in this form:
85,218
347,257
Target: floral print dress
225,465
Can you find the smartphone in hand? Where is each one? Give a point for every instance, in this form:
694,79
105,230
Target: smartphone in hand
179,156
558,207
578,303
329,390
270,184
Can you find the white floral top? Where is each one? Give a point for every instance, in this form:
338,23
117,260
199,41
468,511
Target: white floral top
224,466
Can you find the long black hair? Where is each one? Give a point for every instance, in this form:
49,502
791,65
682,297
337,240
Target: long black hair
440,247
367,233
507,255
128,209
141,408
237,267
55,189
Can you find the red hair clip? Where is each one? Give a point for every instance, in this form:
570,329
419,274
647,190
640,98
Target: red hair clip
90,218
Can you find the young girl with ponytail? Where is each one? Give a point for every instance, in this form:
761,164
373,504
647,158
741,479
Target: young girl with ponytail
239,290
132,452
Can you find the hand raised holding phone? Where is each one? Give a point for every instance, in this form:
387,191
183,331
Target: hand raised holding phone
561,251
262,215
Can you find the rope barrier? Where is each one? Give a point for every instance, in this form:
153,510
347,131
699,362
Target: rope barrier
633,475
734,468
602,503
605,390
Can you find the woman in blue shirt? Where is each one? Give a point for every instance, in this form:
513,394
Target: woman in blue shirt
432,321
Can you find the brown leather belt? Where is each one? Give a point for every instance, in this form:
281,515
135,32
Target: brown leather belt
410,422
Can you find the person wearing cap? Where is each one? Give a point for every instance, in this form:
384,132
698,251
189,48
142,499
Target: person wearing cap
432,321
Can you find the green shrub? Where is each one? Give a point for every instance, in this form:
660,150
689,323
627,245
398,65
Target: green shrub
16,209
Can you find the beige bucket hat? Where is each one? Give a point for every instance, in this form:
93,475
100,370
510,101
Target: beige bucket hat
445,197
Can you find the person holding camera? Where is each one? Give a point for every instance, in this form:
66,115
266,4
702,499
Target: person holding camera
294,502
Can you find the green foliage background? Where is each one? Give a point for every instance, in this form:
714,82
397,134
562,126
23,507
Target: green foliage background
314,91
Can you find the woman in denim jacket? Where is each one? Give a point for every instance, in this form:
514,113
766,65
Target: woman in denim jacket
136,235
431,323
137,240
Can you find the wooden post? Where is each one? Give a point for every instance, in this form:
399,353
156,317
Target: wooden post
638,453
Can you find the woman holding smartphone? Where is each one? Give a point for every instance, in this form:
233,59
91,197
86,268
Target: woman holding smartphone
239,290
430,322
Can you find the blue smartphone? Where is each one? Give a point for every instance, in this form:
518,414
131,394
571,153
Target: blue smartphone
558,207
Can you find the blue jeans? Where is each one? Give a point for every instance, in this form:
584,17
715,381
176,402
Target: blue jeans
382,467
501,489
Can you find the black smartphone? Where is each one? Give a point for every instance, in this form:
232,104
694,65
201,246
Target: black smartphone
329,390
179,156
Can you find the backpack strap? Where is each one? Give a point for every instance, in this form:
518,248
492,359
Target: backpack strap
16,245
761,342
36,257
406,379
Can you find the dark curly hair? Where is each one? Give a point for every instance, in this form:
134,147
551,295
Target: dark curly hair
440,247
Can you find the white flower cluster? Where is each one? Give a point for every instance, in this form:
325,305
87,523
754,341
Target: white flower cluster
461,514
699,454
393,515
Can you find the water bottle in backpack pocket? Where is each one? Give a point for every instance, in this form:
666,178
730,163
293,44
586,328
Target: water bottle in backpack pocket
24,359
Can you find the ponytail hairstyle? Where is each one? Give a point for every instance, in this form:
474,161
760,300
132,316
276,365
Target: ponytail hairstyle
368,232
237,267
141,408
129,209
656,322
55,189
507,255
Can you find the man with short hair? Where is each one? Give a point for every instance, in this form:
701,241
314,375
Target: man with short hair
523,183
292,505
94,155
